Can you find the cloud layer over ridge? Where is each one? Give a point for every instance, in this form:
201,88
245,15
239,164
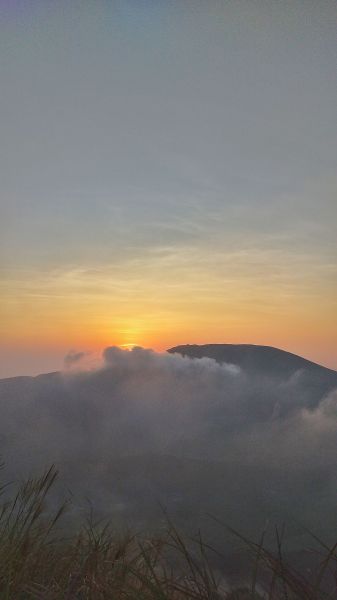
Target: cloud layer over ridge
266,443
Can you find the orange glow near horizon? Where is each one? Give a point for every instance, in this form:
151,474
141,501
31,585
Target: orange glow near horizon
158,306
59,329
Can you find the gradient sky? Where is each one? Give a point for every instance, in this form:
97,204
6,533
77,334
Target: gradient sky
168,174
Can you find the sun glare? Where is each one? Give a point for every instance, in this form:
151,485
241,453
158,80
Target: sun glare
129,346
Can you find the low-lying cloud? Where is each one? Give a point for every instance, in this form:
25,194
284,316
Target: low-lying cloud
73,358
192,433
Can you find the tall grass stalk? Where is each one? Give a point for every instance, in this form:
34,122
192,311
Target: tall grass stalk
37,562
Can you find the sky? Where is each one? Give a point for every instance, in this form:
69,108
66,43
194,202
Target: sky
168,174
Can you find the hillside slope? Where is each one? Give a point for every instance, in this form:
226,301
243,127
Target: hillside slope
266,361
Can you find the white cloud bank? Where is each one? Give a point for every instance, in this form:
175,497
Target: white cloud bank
271,448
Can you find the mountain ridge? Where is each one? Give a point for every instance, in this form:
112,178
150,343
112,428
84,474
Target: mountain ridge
233,351
243,355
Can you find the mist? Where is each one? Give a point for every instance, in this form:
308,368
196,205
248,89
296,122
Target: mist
189,434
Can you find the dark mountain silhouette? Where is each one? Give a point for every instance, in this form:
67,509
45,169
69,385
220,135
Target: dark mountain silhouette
253,358
266,361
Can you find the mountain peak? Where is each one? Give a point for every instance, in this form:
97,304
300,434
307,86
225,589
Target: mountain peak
259,360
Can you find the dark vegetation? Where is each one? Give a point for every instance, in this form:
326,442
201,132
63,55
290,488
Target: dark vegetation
41,559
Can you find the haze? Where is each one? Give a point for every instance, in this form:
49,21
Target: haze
197,436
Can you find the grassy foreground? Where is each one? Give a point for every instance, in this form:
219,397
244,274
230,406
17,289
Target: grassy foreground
38,561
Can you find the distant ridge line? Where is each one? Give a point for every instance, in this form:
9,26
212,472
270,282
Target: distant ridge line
249,355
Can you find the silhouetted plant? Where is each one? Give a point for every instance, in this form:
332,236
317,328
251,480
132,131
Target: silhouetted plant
38,562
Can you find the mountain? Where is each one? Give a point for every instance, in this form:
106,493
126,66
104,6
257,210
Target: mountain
253,358
265,361
147,430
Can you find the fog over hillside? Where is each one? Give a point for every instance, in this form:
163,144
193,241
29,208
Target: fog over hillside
194,435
